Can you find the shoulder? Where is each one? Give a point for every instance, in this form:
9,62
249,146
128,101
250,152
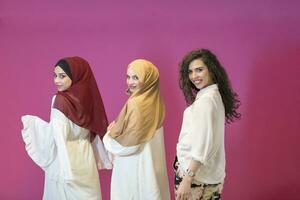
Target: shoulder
58,116
205,104
209,97
205,99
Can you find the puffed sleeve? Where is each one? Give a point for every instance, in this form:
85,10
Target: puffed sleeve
39,140
46,144
202,130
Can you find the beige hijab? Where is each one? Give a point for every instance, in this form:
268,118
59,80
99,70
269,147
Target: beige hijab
144,111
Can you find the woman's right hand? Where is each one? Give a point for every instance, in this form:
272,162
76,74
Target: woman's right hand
184,190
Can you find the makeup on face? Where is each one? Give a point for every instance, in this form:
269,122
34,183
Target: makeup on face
133,81
61,79
199,74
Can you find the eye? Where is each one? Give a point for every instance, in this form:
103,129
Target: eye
199,69
127,77
54,75
62,76
135,78
190,71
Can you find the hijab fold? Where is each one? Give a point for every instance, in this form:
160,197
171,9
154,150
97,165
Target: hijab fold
144,111
82,102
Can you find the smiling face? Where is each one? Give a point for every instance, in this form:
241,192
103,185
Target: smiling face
199,74
61,79
133,81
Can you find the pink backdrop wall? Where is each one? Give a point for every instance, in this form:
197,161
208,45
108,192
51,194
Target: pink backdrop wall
257,41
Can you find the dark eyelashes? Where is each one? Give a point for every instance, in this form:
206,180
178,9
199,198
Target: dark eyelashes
133,77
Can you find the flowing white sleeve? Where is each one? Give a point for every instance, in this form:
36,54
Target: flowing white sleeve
117,149
201,130
102,157
46,144
39,140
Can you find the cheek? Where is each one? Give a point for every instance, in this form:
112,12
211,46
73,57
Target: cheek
208,76
137,84
127,82
67,83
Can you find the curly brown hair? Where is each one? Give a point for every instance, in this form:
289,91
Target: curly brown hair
219,76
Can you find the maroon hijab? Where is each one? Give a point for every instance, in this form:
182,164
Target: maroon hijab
82,103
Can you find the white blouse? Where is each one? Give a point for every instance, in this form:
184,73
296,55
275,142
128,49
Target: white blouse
202,136
139,172
63,150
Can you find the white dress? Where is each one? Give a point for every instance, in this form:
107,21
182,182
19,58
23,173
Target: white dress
63,150
139,172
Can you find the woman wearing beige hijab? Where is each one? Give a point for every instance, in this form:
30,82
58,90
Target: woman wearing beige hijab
135,139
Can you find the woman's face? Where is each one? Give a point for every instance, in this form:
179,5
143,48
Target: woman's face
61,79
133,82
199,74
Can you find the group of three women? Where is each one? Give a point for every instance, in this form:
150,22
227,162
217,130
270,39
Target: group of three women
70,150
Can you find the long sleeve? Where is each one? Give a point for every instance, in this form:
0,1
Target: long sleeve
202,130
101,155
117,149
39,141
46,144
60,126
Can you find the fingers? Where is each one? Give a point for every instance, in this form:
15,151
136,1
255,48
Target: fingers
181,196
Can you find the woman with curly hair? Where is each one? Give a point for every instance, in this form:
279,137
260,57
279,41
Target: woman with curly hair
200,162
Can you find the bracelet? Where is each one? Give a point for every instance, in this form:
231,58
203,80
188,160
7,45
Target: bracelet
190,173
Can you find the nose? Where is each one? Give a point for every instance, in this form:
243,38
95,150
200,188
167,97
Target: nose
129,81
56,80
193,75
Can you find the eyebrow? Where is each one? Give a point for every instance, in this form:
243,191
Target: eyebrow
61,73
197,68
132,75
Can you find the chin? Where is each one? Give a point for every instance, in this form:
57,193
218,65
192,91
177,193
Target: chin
60,90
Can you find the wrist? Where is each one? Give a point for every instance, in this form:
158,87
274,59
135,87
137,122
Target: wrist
187,178
189,175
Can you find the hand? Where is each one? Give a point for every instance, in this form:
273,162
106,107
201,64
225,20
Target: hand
184,189
110,126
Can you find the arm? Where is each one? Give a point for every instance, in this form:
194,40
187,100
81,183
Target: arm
201,134
61,129
38,139
121,135
102,157
117,149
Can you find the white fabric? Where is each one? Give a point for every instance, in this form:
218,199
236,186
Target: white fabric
202,136
139,172
63,150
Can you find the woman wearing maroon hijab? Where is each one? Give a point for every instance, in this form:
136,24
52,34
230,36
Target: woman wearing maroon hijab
69,148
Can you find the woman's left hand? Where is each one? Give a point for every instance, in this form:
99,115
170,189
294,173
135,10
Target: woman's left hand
184,189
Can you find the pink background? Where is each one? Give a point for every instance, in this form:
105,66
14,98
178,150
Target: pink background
257,41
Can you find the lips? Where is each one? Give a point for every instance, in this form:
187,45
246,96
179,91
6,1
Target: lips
197,82
132,87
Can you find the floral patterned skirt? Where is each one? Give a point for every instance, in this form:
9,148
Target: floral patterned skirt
199,191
